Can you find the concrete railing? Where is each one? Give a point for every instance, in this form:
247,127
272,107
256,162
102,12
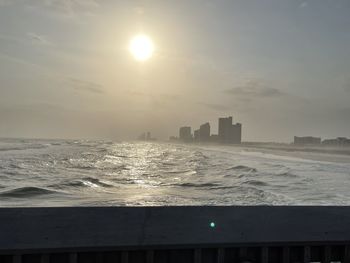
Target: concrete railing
175,234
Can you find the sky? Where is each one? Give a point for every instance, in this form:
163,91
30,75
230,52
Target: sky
281,68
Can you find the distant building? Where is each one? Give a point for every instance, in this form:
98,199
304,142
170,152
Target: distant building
236,133
340,141
214,138
185,134
196,135
307,140
146,136
224,128
330,142
228,132
204,132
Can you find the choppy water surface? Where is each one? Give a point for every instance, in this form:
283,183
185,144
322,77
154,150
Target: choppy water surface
75,173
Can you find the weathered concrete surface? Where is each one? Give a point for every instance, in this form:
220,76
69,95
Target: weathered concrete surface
118,227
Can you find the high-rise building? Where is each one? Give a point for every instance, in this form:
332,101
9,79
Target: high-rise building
236,133
228,132
204,132
224,128
185,134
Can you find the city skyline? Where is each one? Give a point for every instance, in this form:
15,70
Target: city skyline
228,132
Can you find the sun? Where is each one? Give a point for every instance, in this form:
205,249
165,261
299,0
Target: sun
141,47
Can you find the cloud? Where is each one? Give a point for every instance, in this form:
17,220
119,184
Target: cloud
86,86
66,8
71,6
29,38
38,39
255,89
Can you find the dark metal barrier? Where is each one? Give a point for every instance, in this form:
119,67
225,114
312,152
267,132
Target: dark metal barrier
175,234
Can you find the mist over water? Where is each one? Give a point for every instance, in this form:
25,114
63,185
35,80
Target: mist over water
88,173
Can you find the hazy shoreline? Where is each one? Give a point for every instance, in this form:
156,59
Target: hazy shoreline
315,153
330,154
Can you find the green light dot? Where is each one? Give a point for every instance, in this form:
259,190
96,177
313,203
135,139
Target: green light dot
212,224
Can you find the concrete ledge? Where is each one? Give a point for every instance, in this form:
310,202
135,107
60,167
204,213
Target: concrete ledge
137,227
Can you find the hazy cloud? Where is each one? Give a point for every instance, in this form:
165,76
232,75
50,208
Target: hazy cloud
38,39
69,5
66,8
86,86
28,38
255,89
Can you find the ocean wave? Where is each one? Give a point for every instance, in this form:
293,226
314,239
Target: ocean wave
82,163
180,172
9,172
243,168
101,150
90,181
200,185
92,162
287,174
124,180
23,147
199,154
256,183
168,164
56,143
166,173
198,158
15,166
28,191
222,187
84,182
241,175
251,194
117,156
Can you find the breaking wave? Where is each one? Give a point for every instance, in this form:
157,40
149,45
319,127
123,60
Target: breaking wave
27,192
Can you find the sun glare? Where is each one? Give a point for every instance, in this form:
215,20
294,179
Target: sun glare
141,47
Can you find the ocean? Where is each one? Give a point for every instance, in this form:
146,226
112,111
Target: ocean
106,173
